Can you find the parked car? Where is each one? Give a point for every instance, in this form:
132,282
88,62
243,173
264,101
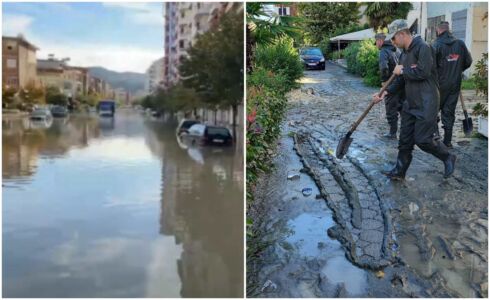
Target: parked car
205,135
312,58
184,125
41,113
59,111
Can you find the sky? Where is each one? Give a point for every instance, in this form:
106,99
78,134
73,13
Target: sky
118,36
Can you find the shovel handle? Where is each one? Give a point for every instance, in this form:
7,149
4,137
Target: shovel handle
462,102
366,111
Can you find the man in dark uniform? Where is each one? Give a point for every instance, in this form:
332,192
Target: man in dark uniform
452,58
417,76
388,58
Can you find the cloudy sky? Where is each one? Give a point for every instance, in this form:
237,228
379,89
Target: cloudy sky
117,36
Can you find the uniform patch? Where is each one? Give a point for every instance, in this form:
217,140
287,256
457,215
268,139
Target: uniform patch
452,57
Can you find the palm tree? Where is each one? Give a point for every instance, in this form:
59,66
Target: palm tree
265,29
380,14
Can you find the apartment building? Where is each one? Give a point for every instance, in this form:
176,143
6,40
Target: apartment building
155,75
18,62
184,21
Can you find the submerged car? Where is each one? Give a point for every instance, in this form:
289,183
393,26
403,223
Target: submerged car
312,58
184,126
206,135
59,111
41,113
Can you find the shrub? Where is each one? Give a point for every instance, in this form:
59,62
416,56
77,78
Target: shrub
368,58
280,58
324,46
350,54
362,59
481,75
266,105
468,84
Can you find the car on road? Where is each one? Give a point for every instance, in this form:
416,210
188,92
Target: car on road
106,108
184,125
206,135
59,111
41,113
312,58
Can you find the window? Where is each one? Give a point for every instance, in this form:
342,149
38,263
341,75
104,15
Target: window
12,81
198,5
198,26
430,34
181,44
12,63
182,15
283,11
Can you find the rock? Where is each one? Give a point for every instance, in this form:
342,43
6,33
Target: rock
341,291
380,274
293,176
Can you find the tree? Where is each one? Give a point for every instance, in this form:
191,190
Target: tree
322,19
214,67
8,96
31,95
381,14
265,29
55,97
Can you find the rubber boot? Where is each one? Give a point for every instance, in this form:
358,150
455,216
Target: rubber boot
440,150
392,134
448,134
402,163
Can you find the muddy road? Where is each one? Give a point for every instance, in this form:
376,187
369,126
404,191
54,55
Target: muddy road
339,228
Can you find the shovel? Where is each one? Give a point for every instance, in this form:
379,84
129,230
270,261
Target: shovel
345,142
467,122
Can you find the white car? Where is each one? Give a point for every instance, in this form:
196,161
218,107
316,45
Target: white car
41,113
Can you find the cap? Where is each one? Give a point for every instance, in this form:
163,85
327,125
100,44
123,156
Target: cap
395,27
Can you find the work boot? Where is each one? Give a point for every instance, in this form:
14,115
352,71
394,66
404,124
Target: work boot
440,150
392,134
402,163
449,165
448,134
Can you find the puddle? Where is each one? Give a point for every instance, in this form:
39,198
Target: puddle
339,270
309,234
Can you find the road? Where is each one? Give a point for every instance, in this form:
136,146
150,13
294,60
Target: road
114,207
359,234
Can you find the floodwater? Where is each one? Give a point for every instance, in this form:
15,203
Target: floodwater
115,207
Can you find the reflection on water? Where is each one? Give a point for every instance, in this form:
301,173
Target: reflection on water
113,207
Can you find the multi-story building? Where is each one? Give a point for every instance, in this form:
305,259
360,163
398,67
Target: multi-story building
71,81
184,21
155,75
18,62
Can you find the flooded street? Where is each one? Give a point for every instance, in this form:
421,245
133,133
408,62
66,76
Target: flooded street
358,234
115,207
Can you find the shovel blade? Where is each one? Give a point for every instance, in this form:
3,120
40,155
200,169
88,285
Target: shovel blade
467,126
343,147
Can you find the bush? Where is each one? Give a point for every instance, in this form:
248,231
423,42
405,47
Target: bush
266,106
350,54
280,58
468,84
362,59
368,58
481,76
324,46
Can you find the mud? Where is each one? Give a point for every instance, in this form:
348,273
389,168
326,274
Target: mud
363,235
